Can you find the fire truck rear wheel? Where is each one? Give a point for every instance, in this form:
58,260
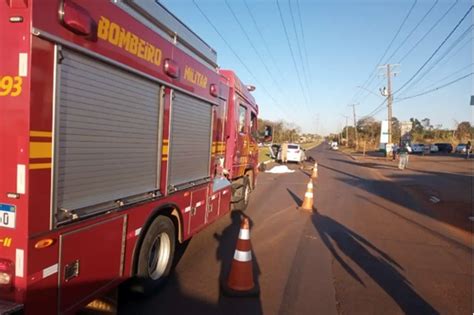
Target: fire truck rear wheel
156,254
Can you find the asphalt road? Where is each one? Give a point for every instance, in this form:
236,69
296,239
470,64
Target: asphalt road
371,246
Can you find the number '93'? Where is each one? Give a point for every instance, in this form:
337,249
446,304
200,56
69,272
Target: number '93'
10,85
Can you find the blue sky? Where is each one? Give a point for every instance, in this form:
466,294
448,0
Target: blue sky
344,40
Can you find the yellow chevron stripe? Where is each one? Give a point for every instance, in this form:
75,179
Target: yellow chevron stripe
164,150
39,166
40,150
43,134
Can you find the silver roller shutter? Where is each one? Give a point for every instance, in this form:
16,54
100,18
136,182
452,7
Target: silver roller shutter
190,141
108,133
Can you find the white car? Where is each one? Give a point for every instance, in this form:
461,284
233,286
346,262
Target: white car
295,153
334,145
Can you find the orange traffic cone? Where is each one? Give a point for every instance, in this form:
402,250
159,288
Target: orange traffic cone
308,197
315,171
240,281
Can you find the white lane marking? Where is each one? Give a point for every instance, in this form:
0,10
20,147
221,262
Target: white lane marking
242,256
23,64
51,270
187,209
137,231
20,179
19,263
308,195
310,185
244,234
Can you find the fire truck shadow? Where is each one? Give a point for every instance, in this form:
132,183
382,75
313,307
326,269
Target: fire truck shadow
224,254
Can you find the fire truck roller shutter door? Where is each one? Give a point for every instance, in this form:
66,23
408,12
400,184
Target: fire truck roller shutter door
107,136
190,140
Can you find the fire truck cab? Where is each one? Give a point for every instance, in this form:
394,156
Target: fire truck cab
119,138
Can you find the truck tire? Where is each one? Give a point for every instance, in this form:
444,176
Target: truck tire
156,255
242,195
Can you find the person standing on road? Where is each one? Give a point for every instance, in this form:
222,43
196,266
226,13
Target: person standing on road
403,157
284,152
468,149
394,152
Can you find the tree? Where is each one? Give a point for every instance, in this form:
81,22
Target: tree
368,129
463,131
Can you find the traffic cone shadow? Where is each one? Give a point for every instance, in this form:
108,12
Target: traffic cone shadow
299,202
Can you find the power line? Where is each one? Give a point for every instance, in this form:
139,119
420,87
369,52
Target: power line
238,58
264,42
429,31
379,108
372,75
434,64
298,46
413,30
436,51
450,75
292,54
435,89
253,47
304,40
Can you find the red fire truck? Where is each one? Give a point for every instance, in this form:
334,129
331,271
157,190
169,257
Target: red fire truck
119,138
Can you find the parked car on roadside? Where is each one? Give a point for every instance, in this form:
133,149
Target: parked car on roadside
417,148
434,148
444,147
460,148
295,153
334,145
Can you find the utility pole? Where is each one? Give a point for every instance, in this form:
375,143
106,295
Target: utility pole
347,136
355,126
389,72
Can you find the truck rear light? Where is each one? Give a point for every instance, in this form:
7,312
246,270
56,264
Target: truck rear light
76,18
214,90
6,274
171,68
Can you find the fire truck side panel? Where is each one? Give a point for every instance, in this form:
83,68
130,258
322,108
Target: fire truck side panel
198,210
165,130
90,260
42,85
15,58
190,141
107,134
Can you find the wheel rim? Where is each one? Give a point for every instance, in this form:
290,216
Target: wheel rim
159,256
